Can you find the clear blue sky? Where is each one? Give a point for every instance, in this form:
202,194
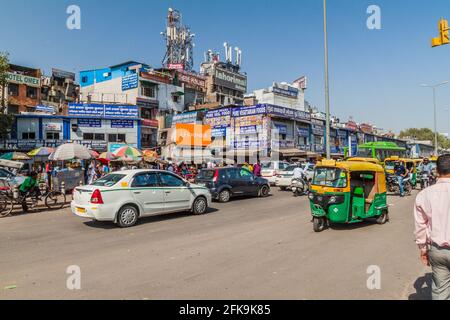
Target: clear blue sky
374,75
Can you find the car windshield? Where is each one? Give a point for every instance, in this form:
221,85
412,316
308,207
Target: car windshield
109,180
330,177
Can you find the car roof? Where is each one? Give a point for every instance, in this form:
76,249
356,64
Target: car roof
134,171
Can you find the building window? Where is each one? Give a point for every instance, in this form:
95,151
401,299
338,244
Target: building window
99,136
13,89
88,136
28,135
116,138
176,98
52,135
31,92
148,90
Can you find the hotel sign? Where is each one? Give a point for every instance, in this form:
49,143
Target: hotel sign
21,79
230,80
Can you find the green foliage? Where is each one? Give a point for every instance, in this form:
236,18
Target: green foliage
425,134
6,123
4,67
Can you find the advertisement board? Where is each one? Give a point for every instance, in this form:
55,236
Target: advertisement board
185,117
288,113
192,135
192,80
89,123
129,82
103,110
230,80
57,73
122,124
175,66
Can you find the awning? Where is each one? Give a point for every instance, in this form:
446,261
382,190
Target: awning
310,154
291,152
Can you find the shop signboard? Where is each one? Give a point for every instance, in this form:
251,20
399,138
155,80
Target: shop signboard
282,129
248,129
288,113
287,91
44,108
185,117
89,123
318,130
230,80
129,82
103,110
249,111
175,66
21,79
192,80
52,126
219,131
122,124
156,77
303,132
147,103
152,123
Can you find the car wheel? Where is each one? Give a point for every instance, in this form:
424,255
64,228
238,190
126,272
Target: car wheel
264,191
200,206
127,216
224,196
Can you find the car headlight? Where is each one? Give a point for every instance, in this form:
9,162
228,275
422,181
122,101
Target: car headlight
333,199
311,196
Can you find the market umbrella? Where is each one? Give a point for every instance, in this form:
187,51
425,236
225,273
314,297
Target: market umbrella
106,156
41,152
128,159
128,151
150,153
94,153
70,151
15,156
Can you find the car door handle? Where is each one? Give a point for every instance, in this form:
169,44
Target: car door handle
168,191
137,192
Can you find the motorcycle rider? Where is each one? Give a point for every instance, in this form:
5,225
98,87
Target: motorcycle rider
299,174
401,173
426,167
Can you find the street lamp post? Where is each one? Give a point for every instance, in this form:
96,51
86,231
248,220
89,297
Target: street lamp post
436,148
327,90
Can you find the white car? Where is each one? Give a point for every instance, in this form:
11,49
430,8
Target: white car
284,178
125,196
269,170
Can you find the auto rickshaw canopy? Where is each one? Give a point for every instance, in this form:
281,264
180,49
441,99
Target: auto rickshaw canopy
352,165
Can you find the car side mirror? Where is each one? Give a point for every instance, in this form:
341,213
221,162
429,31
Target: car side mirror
187,184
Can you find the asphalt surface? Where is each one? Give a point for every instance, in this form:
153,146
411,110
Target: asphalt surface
245,249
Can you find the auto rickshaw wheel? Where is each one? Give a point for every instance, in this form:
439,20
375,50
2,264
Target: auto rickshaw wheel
319,224
383,218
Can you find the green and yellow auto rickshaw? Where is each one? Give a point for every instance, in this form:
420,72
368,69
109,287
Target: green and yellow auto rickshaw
347,192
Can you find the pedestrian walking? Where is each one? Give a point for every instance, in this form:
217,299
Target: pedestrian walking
432,229
48,171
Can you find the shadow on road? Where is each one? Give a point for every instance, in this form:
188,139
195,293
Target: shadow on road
423,288
352,226
152,219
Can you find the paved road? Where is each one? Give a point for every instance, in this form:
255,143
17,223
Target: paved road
246,249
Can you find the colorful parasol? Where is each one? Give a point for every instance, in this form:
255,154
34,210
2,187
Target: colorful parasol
128,151
70,151
14,156
94,153
41,152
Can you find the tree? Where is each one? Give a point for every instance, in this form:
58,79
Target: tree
4,68
425,134
6,123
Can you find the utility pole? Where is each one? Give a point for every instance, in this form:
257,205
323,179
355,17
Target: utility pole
327,90
436,147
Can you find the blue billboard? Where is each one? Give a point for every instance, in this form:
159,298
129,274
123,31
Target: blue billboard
103,110
130,82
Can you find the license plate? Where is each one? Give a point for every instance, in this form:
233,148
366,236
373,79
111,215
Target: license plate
81,210
202,184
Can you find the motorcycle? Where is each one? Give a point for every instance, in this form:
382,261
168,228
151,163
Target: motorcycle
426,179
394,187
299,186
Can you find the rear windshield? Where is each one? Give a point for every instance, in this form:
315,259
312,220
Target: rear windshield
290,168
109,180
206,174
